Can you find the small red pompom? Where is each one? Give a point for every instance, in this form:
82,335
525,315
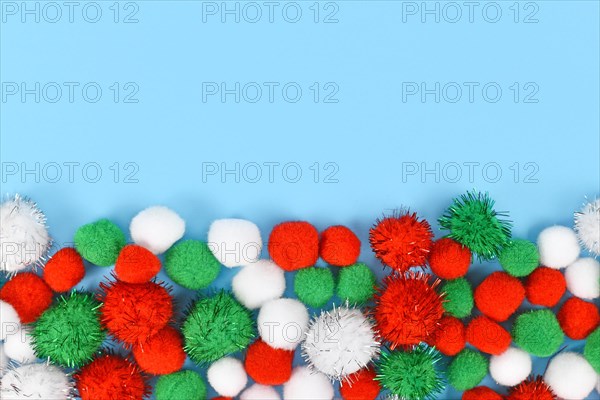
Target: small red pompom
449,259
545,286
162,353
481,393
339,246
28,294
578,318
531,389
268,366
361,386
450,337
294,245
499,296
488,336
64,270
136,264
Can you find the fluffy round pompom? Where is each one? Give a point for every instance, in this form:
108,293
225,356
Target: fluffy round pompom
591,350
235,242
136,264
499,296
100,242
268,366
186,385
450,337
467,370
162,353
64,270
449,259
18,346
9,320
481,393
583,278
578,318
339,246
533,388
294,245
570,376
36,381
314,286
558,246
307,385
191,264
156,228
587,225
227,376
487,336
217,326
259,392
258,283
458,297
538,333
356,284
545,286
282,323
511,367
519,258
361,385
28,294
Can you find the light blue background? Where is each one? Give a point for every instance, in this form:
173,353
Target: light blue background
369,134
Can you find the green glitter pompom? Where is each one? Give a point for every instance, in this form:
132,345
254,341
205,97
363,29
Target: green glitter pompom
356,284
191,264
180,385
591,350
100,242
467,369
538,332
412,374
314,286
69,333
473,222
217,326
519,258
459,297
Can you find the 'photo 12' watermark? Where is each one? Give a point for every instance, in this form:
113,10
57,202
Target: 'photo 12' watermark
470,12
470,92
70,172
270,12
270,172
70,12
70,92
270,92
470,171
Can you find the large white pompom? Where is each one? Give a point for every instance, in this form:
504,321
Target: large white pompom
227,376
258,283
305,384
9,320
3,360
235,242
156,228
570,376
282,323
582,278
260,392
511,367
587,225
17,346
558,246
35,381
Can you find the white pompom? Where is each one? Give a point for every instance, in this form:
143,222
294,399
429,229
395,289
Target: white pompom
35,381
260,392
558,246
235,242
582,278
227,376
305,384
282,323
340,342
570,376
9,320
258,283
587,225
3,360
156,228
18,346
511,367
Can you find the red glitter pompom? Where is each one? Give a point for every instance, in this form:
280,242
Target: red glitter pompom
488,336
481,393
339,246
28,294
449,338
499,296
449,259
578,318
531,389
294,245
64,270
361,386
136,264
268,366
545,286
162,353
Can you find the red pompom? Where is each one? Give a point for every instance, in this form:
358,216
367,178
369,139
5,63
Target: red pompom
64,270
339,246
449,338
481,393
402,241
294,245
162,353
28,294
488,336
545,286
578,318
361,386
531,389
268,366
499,296
136,264
449,259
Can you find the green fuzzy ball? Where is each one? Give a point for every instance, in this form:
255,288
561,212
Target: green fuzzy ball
186,385
215,327
191,264
356,284
591,350
100,242
538,332
519,258
69,333
314,286
467,369
459,297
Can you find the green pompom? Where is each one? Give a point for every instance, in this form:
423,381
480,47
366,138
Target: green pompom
519,258
314,286
459,297
538,332
217,326
191,264
356,284
467,369
591,350
69,333
186,385
100,242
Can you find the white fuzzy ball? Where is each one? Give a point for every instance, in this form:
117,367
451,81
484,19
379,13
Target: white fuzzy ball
35,381
582,278
156,228
17,346
282,323
258,283
10,322
227,376
511,367
305,384
587,225
235,242
570,376
260,392
558,246
3,360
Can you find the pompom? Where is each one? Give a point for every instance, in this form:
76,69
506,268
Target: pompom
64,270
533,388
591,350
519,258
282,323
578,318
18,346
583,278
558,246
361,385
258,283
136,264
100,242
9,320
481,393
156,228
28,294
450,337
587,225
467,370
570,376
268,366
186,385
259,392
307,385
339,246
356,284
36,381
235,242
227,376
314,286
538,332
499,296
487,336
545,286
458,297
449,259
294,245
191,264
511,367
162,353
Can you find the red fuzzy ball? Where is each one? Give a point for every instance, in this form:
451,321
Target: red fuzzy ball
361,386
545,286
294,245
401,242
481,393
499,296
578,318
488,336
531,389
449,338
449,259
136,264
339,246
162,353
268,366
28,294
64,270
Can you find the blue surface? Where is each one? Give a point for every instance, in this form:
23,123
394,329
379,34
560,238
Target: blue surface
367,132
